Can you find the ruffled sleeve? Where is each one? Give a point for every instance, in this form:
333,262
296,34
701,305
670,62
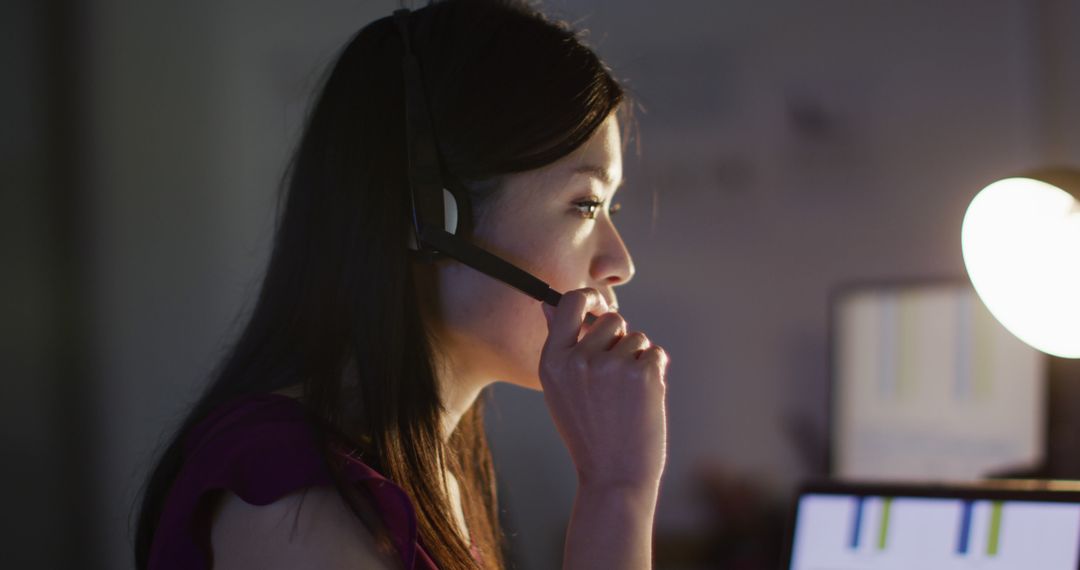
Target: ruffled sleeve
262,447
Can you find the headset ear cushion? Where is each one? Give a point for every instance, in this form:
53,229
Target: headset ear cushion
450,219
450,212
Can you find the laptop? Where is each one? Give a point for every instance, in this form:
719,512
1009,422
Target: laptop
992,525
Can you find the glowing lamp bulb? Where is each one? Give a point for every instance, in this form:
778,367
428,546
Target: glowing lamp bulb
1021,245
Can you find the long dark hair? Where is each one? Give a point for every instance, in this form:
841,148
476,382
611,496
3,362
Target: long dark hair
509,90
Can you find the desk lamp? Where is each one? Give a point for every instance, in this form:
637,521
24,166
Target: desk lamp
1021,246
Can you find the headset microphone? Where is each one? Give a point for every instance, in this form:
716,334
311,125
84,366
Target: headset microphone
433,199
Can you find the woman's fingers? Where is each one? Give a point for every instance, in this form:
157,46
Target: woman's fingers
631,345
603,334
656,358
564,323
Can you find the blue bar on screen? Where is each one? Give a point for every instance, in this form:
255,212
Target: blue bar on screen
856,526
965,529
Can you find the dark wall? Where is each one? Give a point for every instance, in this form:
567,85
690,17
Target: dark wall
49,463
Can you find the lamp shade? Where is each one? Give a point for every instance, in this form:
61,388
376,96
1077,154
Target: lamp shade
1021,246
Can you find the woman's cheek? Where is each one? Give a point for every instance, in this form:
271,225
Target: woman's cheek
561,260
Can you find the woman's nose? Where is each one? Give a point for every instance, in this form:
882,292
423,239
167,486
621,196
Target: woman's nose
612,264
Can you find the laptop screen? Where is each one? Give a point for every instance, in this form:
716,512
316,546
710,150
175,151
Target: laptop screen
879,527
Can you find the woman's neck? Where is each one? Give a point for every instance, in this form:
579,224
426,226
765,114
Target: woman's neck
459,387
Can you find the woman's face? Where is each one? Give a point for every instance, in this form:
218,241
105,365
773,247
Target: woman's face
554,222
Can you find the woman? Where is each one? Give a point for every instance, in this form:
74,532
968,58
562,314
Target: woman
344,429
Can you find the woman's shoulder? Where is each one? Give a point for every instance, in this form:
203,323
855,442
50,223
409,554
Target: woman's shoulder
308,528
259,420
252,461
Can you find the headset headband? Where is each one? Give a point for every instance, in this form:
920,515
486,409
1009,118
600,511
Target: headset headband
425,178
426,184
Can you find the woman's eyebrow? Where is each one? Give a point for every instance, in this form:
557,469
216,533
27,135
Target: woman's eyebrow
600,174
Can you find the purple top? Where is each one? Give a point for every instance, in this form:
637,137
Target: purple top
262,447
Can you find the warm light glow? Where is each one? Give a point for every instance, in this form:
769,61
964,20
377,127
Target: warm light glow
1021,244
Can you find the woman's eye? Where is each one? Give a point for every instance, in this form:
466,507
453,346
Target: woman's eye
590,208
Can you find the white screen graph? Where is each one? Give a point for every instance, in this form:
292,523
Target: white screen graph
903,533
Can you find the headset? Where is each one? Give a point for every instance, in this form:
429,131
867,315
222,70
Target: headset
436,194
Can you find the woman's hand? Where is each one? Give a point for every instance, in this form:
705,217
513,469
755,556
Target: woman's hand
605,390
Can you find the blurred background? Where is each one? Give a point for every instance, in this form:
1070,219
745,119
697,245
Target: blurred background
787,148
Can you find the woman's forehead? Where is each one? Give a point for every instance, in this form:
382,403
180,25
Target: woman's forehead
600,158
602,151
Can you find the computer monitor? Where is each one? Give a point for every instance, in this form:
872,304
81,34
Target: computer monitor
927,385
996,525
